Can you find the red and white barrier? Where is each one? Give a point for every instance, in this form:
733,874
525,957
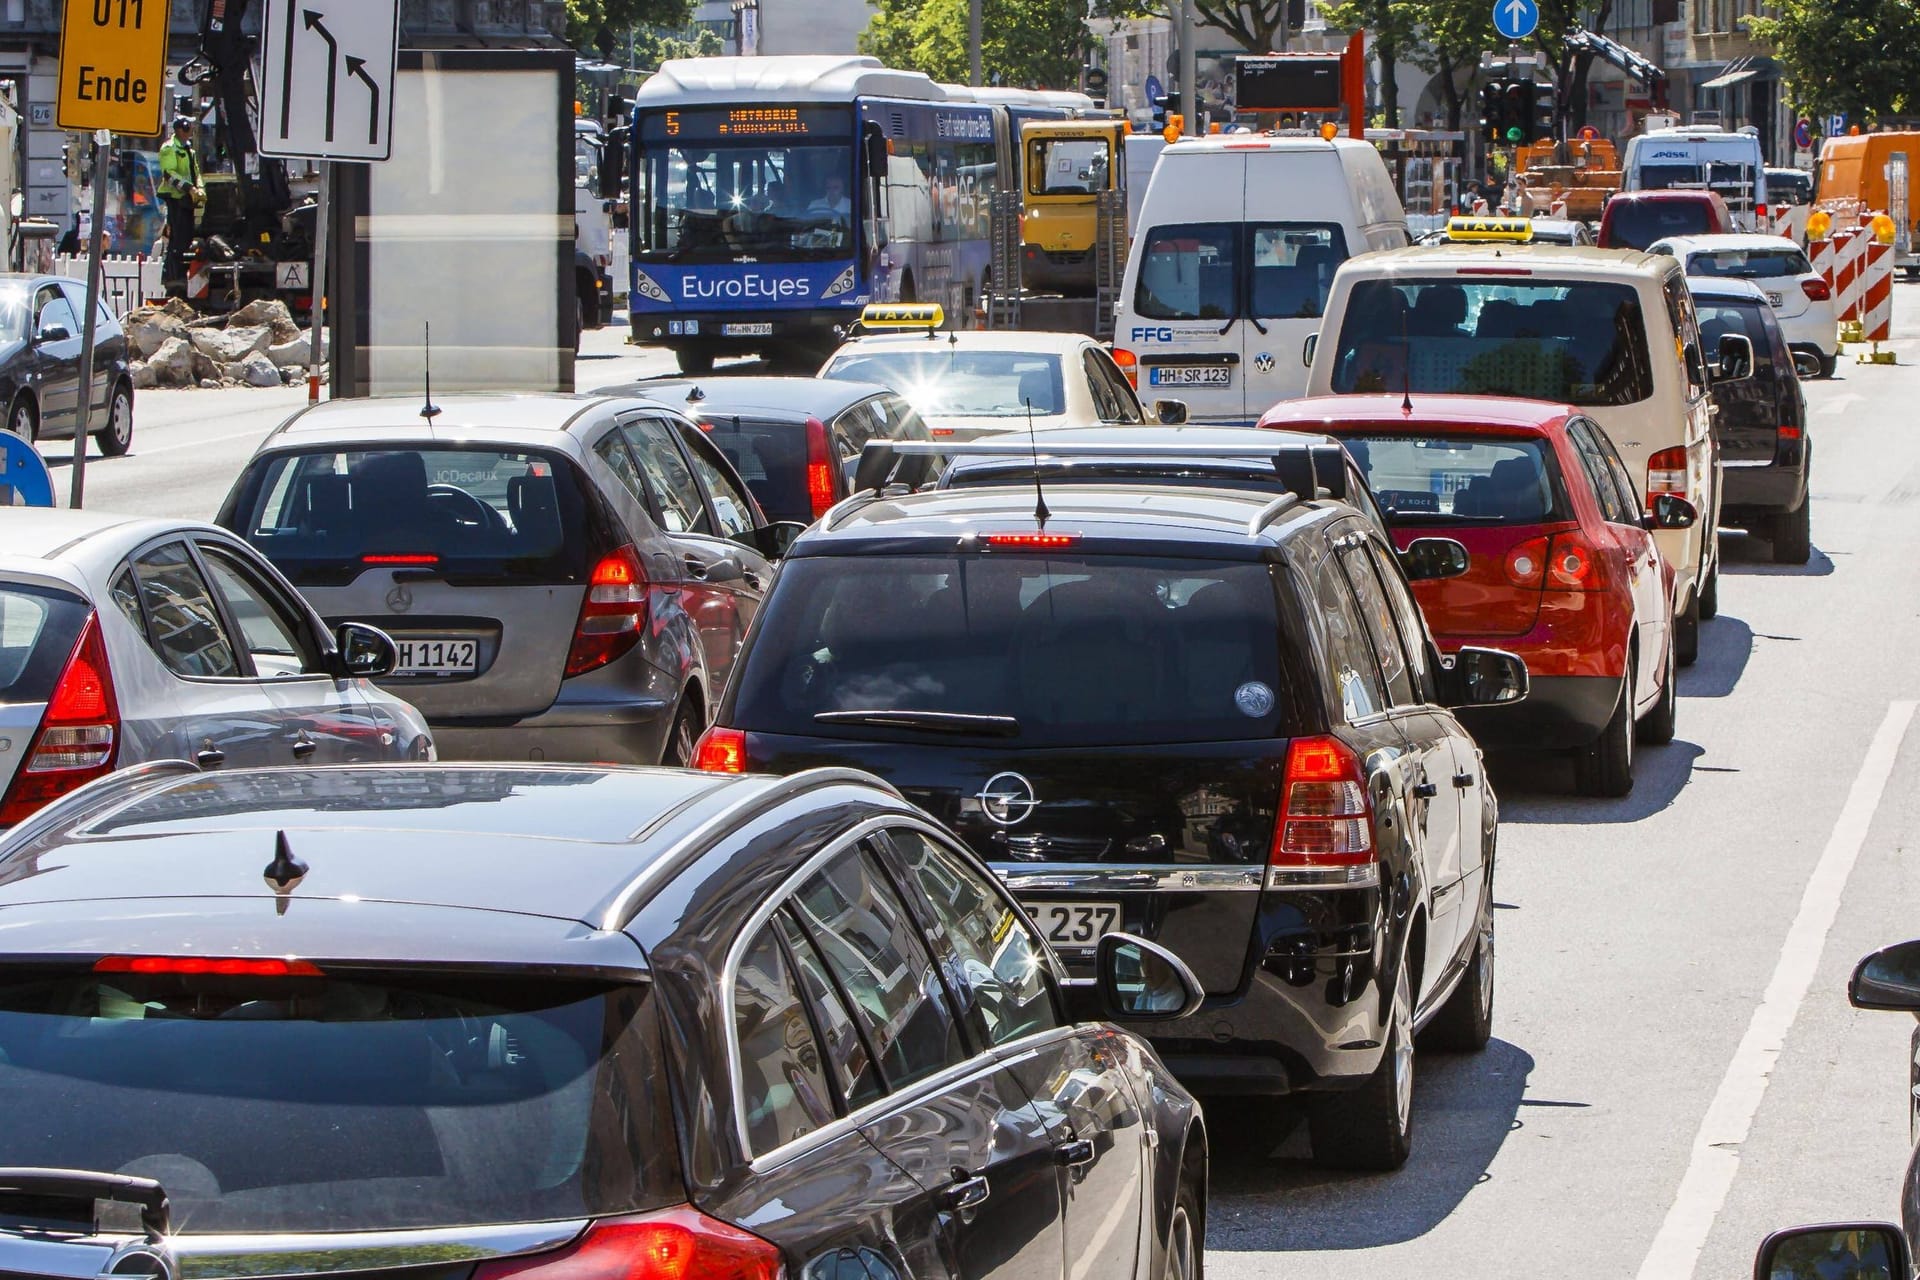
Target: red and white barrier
1849,254
1875,312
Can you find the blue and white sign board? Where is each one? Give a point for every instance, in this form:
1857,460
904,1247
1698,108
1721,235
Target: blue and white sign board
25,480
1515,19
1836,125
1156,94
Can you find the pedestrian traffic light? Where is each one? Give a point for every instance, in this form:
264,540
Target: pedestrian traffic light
1493,109
1519,113
1542,113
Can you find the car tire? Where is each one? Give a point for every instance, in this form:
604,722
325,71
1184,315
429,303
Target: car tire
695,360
1605,769
1186,1234
1686,634
1657,726
116,437
1465,1022
23,419
1793,534
1828,364
1710,594
1371,1128
678,751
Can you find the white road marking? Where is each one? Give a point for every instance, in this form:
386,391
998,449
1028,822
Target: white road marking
1675,1252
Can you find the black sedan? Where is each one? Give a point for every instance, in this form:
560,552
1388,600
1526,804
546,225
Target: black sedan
545,1022
40,333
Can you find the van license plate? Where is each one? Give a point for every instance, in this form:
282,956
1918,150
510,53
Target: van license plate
1188,375
1072,925
747,330
430,656
1777,299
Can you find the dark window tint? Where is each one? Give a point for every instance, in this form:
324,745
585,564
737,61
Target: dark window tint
1293,265
38,629
1458,479
1635,224
1571,342
1406,616
1354,669
848,1057
1749,264
612,448
1594,464
322,1104
486,515
771,457
1189,272
57,311
875,954
782,1083
183,624
1379,620
273,636
1072,650
1123,394
676,497
1749,319
732,509
1105,404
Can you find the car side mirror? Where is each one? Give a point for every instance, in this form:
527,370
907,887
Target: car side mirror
365,652
774,540
53,332
1736,357
1307,349
1432,559
1671,511
1888,979
1482,678
1862,1250
1170,413
1142,982
1806,364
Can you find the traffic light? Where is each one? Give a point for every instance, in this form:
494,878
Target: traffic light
1095,81
1165,110
1493,112
1542,114
1519,113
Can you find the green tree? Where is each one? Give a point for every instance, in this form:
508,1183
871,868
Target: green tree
1254,25
1395,28
1026,43
1452,34
1861,57
602,25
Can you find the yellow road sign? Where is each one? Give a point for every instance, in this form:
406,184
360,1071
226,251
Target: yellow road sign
113,66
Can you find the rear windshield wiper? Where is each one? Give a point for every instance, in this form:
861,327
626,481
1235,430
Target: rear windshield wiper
931,721
82,1186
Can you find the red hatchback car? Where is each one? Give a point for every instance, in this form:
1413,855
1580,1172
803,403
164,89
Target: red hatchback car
1562,567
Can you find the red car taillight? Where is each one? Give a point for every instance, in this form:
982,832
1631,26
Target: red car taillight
79,733
613,615
673,1244
1325,819
1816,288
1129,364
721,751
819,468
1574,563
1527,563
1666,473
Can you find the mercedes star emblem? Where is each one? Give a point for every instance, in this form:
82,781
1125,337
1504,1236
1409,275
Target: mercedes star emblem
1008,799
399,600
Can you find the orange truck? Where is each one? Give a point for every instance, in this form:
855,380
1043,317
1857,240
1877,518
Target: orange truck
1583,175
1872,173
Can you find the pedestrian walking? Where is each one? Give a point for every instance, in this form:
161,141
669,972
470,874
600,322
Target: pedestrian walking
183,193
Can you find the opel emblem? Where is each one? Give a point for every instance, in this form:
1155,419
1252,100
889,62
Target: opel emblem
1008,799
399,599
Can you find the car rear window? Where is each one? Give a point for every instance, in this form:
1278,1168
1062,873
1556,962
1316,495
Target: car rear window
1459,479
949,381
38,629
1749,264
771,457
1720,317
1569,341
312,1104
1064,650
489,515
1635,224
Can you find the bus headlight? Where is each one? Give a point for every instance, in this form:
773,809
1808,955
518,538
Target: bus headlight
842,283
643,285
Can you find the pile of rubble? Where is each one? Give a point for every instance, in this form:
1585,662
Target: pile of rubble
257,346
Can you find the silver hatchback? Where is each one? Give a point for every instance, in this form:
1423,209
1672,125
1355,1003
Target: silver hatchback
126,640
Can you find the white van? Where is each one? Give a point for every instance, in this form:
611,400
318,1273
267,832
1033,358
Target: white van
1702,156
1233,254
1610,332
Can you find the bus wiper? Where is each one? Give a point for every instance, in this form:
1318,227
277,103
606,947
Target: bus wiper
931,721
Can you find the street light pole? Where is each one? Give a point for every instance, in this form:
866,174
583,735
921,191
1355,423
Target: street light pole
973,42
1189,74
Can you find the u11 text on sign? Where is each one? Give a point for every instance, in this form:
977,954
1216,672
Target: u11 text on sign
326,78
113,66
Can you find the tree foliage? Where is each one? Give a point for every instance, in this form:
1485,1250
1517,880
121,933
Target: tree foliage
1861,57
1035,44
602,25
1395,26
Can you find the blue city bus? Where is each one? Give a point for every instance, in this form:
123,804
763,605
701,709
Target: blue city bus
775,197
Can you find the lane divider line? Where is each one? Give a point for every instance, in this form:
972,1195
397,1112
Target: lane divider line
1675,1253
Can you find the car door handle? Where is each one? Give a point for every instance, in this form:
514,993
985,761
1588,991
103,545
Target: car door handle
1426,790
209,757
966,1193
1463,780
1074,1154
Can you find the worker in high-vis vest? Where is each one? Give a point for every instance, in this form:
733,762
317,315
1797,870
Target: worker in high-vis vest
180,188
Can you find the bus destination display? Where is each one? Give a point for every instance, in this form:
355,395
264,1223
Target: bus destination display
712,123
1287,83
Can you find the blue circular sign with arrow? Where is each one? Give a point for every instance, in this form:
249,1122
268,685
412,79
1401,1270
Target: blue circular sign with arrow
1516,19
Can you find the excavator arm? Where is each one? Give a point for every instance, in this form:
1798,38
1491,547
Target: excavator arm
224,63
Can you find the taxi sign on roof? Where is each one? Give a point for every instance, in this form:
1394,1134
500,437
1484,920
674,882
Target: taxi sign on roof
1470,229
903,315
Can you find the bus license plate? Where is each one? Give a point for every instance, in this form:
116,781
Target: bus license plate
428,656
1186,375
763,330
1072,925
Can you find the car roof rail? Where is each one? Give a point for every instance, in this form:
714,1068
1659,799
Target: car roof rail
1311,469
121,784
1271,512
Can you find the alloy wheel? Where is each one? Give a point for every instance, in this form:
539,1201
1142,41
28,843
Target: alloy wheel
21,424
1182,1261
1403,1048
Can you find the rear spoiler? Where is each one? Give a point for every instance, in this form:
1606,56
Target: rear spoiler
1315,469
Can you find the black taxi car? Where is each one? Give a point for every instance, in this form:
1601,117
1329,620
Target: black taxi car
437,1022
1212,718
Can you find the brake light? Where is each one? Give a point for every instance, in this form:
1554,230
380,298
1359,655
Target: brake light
1816,288
613,615
400,559
1129,364
673,1244
819,468
1666,473
1325,819
721,751
1787,433
215,966
1031,541
1527,563
1494,271
78,734
1574,564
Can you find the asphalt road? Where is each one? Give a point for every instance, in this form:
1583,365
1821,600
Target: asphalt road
1675,1070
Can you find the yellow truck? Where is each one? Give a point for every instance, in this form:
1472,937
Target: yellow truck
1067,164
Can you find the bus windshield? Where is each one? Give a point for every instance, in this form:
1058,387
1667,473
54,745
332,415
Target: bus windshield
721,193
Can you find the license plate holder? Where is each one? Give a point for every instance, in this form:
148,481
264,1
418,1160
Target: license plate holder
763,329
1190,375
1075,925
438,657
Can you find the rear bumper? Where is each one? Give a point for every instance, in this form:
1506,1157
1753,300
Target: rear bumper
1762,491
1041,269
569,732
1559,713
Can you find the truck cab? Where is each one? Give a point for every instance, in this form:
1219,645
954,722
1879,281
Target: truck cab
1068,165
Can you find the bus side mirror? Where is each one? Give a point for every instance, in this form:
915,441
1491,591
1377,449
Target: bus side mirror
613,164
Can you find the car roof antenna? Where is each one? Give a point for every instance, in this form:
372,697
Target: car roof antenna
1040,512
1406,367
430,410
284,873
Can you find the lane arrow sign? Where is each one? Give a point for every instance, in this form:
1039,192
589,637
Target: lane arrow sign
358,67
312,19
1516,19
286,79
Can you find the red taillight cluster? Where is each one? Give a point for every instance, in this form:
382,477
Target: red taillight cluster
721,750
78,735
819,468
213,966
1031,541
613,615
1667,473
1816,288
1325,818
1565,561
673,1244
1129,364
